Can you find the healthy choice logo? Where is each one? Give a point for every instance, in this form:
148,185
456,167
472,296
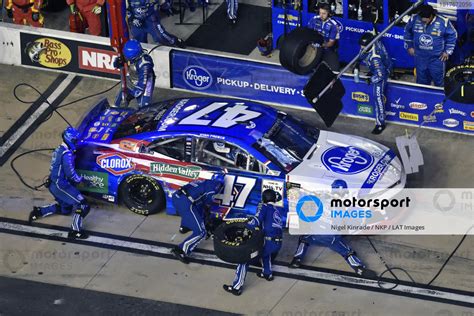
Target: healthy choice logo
97,182
191,172
49,53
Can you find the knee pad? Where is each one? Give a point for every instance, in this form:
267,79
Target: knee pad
83,209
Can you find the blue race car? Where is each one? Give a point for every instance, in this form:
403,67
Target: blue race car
142,156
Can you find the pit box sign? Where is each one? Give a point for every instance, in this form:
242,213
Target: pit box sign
225,76
67,55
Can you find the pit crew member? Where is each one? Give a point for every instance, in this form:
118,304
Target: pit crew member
269,219
232,9
89,10
191,201
140,74
380,65
62,181
25,12
327,27
431,38
144,19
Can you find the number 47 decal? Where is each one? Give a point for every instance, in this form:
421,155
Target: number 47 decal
236,191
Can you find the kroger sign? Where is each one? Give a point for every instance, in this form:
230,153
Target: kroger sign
197,77
346,160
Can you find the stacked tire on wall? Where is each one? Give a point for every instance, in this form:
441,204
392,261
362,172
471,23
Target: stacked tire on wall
297,52
459,84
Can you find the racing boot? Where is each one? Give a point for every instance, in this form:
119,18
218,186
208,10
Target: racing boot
231,289
265,276
180,255
184,230
355,263
295,263
74,234
378,129
34,214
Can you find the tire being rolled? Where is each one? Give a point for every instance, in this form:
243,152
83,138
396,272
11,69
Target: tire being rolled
453,83
232,250
297,54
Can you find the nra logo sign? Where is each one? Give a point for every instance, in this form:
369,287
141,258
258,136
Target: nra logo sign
95,59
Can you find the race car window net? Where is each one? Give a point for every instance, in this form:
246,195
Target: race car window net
142,121
171,147
213,153
287,142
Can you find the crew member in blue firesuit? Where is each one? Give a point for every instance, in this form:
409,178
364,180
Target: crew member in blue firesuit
333,242
140,74
380,65
431,38
327,27
144,19
61,183
232,10
269,219
191,202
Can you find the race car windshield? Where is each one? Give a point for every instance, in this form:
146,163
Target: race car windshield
288,141
142,121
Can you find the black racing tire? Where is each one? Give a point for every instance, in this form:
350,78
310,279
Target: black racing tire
452,80
142,194
54,5
296,52
230,246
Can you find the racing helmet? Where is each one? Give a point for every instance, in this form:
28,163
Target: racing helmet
339,184
70,137
219,177
132,50
269,195
221,148
366,38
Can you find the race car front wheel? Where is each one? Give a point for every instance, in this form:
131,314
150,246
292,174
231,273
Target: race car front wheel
142,195
234,242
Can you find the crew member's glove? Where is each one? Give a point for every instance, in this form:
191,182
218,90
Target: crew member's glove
97,10
10,13
137,23
35,16
118,62
72,7
316,45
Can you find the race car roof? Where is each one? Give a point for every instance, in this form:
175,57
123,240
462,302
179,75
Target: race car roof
239,119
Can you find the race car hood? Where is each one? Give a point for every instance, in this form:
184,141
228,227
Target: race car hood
101,121
360,162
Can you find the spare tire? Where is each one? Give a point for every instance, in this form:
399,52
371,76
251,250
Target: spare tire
297,54
234,242
453,84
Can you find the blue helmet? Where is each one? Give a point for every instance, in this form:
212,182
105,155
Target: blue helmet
132,49
70,137
339,184
219,177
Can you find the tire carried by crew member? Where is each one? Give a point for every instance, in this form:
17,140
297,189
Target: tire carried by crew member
300,50
459,84
142,195
236,242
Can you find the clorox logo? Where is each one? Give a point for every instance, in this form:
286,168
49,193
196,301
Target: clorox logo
115,163
197,77
347,160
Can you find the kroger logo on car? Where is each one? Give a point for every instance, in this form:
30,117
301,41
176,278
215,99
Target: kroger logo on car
346,160
197,77
115,163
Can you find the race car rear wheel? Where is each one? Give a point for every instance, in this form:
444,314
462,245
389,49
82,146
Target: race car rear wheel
297,54
142,195
235,243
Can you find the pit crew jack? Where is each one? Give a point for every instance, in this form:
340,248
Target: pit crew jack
431,43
